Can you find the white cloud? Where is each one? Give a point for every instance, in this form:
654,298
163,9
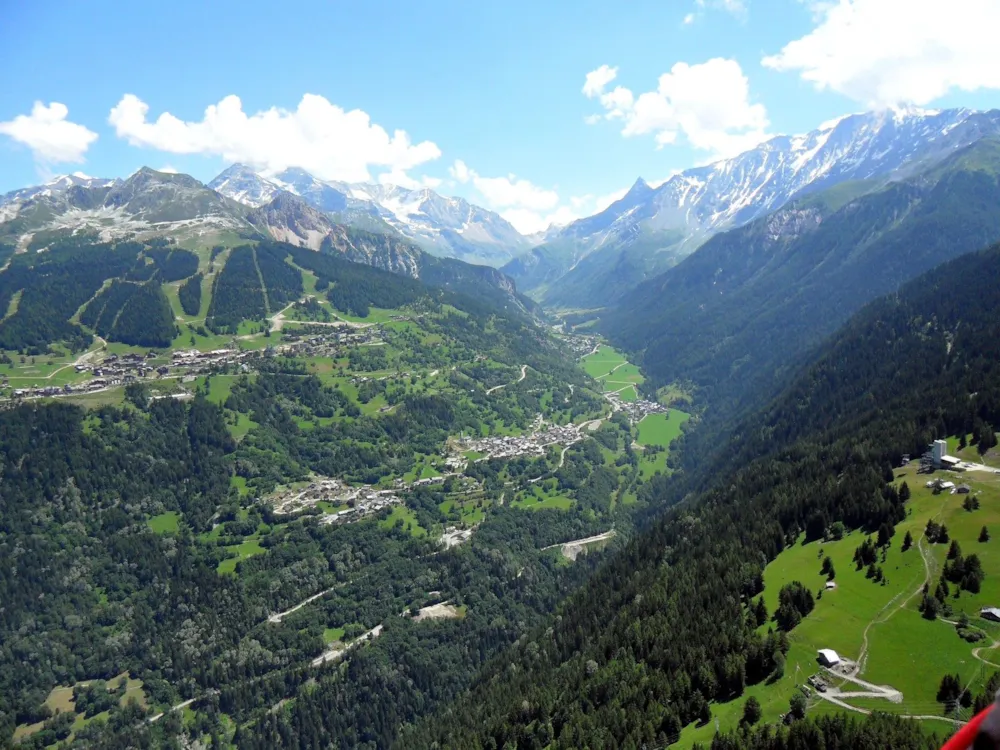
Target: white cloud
50,136
708,103
597,79
401,178
167,169
689,19
528,207
460,171
886,52
508,191
318,136
527,221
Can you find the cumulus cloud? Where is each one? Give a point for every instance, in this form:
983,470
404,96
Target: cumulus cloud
330,142
597,79
707,103
401,178
888,52
51,137
528,207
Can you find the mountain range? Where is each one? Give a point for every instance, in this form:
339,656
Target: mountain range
594,261
738,314
450,227
157,204
590,263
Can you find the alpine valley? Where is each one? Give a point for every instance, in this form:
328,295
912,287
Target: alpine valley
296,463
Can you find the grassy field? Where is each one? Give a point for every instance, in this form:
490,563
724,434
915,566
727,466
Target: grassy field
246,549
165,523
539,498
409,519
615,373
659,429
904,650
60,700
331,635
603,361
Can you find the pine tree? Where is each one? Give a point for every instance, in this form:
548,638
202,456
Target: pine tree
907,540
751,711
984,535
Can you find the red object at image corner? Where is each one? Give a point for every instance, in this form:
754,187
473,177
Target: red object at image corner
966,736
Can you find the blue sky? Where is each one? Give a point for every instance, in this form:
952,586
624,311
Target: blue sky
494,99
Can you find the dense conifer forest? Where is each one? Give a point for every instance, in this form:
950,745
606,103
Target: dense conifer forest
667,625
136,314
189,294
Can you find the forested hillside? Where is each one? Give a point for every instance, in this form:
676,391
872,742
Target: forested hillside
670,625
737,316
167,581
42,294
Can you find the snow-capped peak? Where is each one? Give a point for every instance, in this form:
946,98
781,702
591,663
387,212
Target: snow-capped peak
56,186
243,184
445,226
733,191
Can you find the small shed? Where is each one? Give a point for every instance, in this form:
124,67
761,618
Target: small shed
990,613
963,489
829,658
830,585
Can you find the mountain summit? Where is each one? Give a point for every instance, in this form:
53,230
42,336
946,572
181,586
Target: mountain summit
450,227
650,229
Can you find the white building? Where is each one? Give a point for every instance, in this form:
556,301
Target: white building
990,613
940,457
828,657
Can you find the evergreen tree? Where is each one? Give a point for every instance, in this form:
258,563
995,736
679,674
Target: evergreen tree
984,535
751,711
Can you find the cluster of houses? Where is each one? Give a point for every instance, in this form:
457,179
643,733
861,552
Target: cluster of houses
942,485
117,370
361,502
355,502
532,444
194,362
636,410
328,343
581,345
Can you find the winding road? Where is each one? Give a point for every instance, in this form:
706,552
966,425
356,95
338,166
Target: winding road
524,374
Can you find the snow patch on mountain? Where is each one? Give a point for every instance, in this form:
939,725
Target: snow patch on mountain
705,200
443,226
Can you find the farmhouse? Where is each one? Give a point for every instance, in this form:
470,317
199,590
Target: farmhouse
828,657
990,613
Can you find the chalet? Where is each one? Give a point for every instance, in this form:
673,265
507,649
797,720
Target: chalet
828,657
990,613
